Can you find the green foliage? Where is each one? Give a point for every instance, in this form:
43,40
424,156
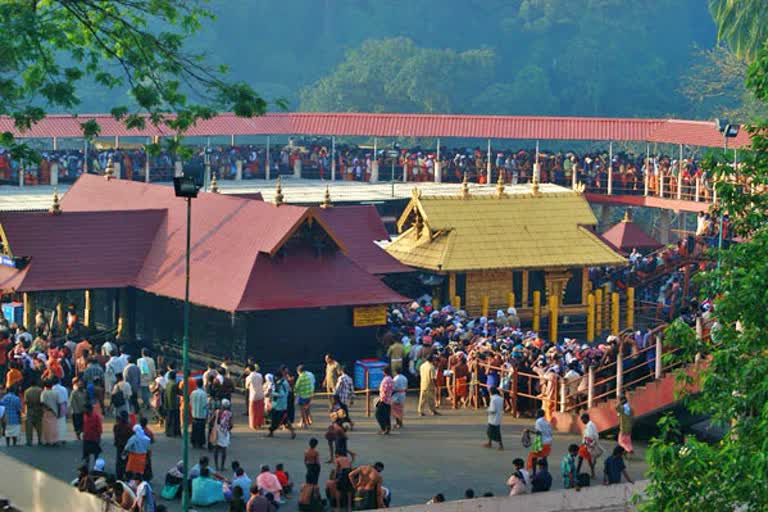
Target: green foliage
743,24
53,50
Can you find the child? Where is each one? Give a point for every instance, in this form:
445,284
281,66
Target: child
312,462
284,480
568,468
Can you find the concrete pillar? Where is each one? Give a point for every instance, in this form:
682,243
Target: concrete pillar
117,167
619,376
267,164
488,180
297,168
54,174
438,172
375,170
590,387
657,365
21,173
178,168
147,170
610,168
238,170
665,225
333,158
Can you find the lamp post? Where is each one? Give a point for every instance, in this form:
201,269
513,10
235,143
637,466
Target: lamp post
185,187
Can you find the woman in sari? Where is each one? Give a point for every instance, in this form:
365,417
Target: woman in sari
171,404
50,401
136,450
223,426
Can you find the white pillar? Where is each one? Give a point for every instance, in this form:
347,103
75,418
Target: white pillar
21,173
488,178
697,193
680,174
438,172
333,158
232,140
610,168
619,375
146,168
563,395
574,179
55,143
647,173
178,168
238,170
297,167
207,176
54,173
375,162
590,387
266,162
117,169
661,183
657,365
117,141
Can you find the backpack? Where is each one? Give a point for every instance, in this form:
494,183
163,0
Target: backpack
118,399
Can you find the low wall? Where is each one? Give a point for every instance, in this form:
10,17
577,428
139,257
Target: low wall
600,498
32,490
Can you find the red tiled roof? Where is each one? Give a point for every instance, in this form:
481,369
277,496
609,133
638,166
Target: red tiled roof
229,235
674,131
332,280
357,226
627,235
255,196
78,249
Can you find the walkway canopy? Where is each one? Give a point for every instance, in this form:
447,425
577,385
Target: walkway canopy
671,131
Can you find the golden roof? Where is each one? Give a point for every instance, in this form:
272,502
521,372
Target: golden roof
518,230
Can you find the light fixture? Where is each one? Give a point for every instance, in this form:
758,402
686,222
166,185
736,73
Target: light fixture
185,186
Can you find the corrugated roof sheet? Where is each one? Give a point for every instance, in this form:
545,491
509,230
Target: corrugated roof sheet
228,235
76,250
517,231
358,226
626,235
677,131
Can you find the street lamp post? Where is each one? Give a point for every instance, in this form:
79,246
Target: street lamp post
729,130
187,188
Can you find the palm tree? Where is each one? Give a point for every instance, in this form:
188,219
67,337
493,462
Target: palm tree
743,24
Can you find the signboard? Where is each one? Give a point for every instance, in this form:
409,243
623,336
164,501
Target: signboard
363,316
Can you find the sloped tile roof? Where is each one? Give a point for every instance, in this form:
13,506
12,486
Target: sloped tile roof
626,235
76,250
358,226
516,231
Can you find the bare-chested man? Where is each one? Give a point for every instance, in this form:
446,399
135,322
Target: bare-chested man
367,481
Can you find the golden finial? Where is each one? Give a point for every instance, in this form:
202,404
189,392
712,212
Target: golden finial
326,199
109,170
535,178
627,215
464,188
278,193
500,186
214,184
55,208
415,193
580,187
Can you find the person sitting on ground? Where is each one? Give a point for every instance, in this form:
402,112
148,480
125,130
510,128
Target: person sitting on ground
122,495
206,490
268,483
516,484
367,482
284,479
615,467
84,481
542,479
519,465
258,502
240,480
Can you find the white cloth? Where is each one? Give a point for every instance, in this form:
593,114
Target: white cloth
543,426
495,410
590,431
255,386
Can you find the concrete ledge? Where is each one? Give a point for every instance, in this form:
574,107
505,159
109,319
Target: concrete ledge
602,498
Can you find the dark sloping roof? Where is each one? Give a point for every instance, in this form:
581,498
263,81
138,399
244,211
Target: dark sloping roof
358,226
78,249
256,196
302,280
676,131
627,235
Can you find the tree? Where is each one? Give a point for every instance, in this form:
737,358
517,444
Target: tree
50,49
729,474
743,24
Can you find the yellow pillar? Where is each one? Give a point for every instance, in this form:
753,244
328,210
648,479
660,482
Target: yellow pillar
590,318
586,284
606,302
524,289
536,321
511,299
456,302
615,313
630,308
29,312
451,285
598,311
553,317
87,308
435,302
484,306
60,320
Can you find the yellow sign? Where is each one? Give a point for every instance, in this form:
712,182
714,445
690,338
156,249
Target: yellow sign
363,316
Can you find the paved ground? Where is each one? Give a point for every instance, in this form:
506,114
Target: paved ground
295,191
430,455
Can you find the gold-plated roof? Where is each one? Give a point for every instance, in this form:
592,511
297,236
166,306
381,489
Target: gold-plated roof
519,230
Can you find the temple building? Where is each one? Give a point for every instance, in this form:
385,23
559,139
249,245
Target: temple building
626,235
268,280
517,239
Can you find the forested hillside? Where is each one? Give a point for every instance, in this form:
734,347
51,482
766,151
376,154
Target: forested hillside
570,57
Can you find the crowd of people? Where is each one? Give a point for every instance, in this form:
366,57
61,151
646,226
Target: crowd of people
356,163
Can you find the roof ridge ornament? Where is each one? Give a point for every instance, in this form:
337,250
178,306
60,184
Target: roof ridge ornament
55,208
327,198
214,186
465,188
627,215
580,187
415,193
500,186
109,170
279,192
